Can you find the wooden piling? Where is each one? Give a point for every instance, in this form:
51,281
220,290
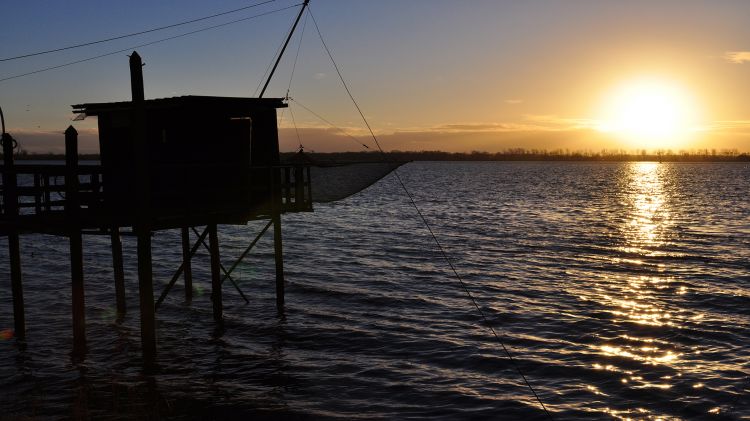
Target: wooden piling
187,267
279,256
72,210
213,242
10,201
146,295
143,214
119,272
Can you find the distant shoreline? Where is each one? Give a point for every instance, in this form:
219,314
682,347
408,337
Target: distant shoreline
510,155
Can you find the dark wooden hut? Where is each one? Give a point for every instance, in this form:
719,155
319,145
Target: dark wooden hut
204,154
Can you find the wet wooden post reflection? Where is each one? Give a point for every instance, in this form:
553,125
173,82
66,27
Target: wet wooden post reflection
187,267
213,242
119,272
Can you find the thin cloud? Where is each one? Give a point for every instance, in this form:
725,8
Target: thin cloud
553,122
477,127
513,101
737,57
728,125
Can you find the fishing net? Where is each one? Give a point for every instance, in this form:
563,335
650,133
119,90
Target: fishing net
336,181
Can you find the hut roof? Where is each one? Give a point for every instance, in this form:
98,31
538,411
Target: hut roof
228,105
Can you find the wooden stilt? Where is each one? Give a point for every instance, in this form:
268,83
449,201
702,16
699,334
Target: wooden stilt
186,264
177,273
19,313
213,241
279,255
119,272
76,277
146,294
10,201
72,209
143,213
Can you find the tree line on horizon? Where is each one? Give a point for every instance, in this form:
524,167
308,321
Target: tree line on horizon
521,154
512,154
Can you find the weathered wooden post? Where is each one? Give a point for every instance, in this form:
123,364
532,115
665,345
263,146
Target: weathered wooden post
10,199
73,216
213,242
187,267
143,216
119,271
277,246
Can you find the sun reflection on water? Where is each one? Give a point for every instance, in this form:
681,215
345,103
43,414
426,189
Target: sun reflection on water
632,294
649,213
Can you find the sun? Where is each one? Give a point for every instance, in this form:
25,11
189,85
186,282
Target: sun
649,112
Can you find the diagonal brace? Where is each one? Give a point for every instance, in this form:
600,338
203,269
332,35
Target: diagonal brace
226,275
247,250
177,274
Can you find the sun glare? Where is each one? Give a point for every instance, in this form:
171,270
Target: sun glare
650,112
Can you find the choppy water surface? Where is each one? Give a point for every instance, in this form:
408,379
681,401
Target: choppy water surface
622,289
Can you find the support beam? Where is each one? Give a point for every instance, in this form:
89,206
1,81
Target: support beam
226,274
19,312
279,255
73,216
143,214
146,294
177,273
187,267
10,202
119,271
213,240
247,250
79,305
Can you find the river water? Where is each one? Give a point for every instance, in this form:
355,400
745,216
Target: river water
622,291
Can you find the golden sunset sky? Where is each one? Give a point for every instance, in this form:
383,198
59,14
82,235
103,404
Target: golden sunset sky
429,75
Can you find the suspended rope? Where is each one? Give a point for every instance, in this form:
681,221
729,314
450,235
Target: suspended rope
323,119
46,69
296,56
161,28
289,86
296,130
429,228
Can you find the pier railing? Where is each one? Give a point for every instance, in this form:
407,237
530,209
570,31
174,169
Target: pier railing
41,190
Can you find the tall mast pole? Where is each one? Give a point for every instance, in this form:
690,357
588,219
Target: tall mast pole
278,59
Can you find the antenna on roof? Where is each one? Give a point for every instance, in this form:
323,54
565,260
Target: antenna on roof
281,53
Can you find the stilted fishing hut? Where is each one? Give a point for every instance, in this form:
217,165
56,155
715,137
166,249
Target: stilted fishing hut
171,163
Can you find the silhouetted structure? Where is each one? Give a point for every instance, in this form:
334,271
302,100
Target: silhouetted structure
165,163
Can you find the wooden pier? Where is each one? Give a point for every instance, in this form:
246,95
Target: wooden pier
172,163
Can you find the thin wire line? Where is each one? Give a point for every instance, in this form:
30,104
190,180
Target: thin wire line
296,57
294,66
429,228
70,47
330,124
299,138
145,45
